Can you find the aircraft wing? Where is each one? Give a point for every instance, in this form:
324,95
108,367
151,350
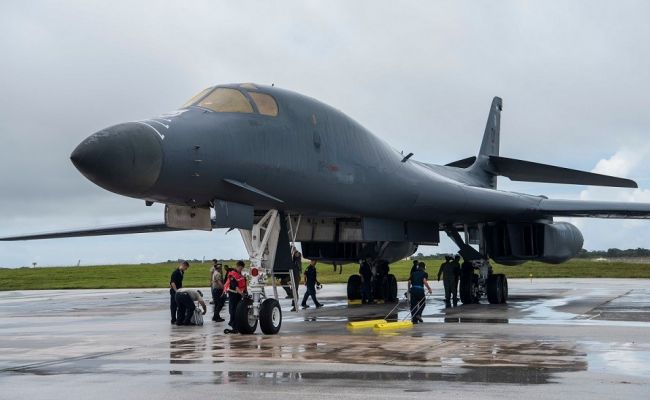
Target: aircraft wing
594,209
99,231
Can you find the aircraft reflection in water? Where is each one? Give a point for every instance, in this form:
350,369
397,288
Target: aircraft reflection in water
282,167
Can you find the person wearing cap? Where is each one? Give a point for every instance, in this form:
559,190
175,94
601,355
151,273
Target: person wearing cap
311,281
185,299
235,284
417,282
175,283
216,288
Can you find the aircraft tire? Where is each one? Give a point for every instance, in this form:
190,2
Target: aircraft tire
378,287
504,288
466,283
391,288
245,321
354,287
270,317
497,289
493,292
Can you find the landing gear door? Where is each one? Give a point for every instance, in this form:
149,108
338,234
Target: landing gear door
233,215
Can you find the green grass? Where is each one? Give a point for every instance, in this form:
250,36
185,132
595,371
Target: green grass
157,275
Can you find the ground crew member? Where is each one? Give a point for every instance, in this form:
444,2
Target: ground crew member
417,282
175,283
236,288
216,287
310,282
450,271
454,287
366,280
296,270
185,299
414,267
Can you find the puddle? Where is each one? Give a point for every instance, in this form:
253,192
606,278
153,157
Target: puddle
502,375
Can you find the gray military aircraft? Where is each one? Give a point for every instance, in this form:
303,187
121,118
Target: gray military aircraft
283,168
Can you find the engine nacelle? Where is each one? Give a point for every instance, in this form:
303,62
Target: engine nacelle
553,243
352,252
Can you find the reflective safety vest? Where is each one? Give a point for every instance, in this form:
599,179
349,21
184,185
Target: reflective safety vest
236,280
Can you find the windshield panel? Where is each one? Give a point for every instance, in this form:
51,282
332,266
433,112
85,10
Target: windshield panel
266,105
196,97
227,100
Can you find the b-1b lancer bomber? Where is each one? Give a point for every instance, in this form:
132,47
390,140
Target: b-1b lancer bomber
282,167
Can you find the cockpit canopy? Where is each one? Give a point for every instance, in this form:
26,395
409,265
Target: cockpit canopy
242,99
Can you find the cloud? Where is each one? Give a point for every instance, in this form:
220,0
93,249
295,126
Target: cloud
603,234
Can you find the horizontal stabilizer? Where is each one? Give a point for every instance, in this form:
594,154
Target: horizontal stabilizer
102,231
527,171
464,163
594,209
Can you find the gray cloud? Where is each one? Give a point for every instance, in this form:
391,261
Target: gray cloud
573,75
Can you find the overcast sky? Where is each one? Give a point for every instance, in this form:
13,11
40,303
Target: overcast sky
574,77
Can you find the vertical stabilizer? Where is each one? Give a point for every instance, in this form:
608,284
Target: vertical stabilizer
482,169
490,145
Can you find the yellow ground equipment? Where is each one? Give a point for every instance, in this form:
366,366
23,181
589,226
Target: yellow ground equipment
366,324
394,325
404,323
371,323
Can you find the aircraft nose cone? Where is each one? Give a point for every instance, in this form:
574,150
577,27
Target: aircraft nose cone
125,158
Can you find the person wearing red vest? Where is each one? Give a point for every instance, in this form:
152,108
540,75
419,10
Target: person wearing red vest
235,283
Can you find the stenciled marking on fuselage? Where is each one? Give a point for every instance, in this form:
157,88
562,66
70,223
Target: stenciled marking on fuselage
162,137
167,117
158,122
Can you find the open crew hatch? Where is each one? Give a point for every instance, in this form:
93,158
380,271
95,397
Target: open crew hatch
235,100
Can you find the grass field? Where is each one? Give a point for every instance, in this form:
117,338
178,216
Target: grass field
157,275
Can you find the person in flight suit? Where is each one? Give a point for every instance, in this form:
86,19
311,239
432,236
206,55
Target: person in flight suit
450,271
417,282
175,283
310,282
365,271
236,284
185,299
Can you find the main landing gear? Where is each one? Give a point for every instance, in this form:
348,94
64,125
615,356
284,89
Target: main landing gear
476,276
474,285
383,286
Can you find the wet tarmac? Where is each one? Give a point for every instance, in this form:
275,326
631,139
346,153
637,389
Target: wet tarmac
559,338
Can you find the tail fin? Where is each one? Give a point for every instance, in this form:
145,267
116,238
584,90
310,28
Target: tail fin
481,168
490,145
488,165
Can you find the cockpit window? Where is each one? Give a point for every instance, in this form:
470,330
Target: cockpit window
227,100
265,103
196,97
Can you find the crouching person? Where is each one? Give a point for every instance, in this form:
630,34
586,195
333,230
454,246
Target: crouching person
185,299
